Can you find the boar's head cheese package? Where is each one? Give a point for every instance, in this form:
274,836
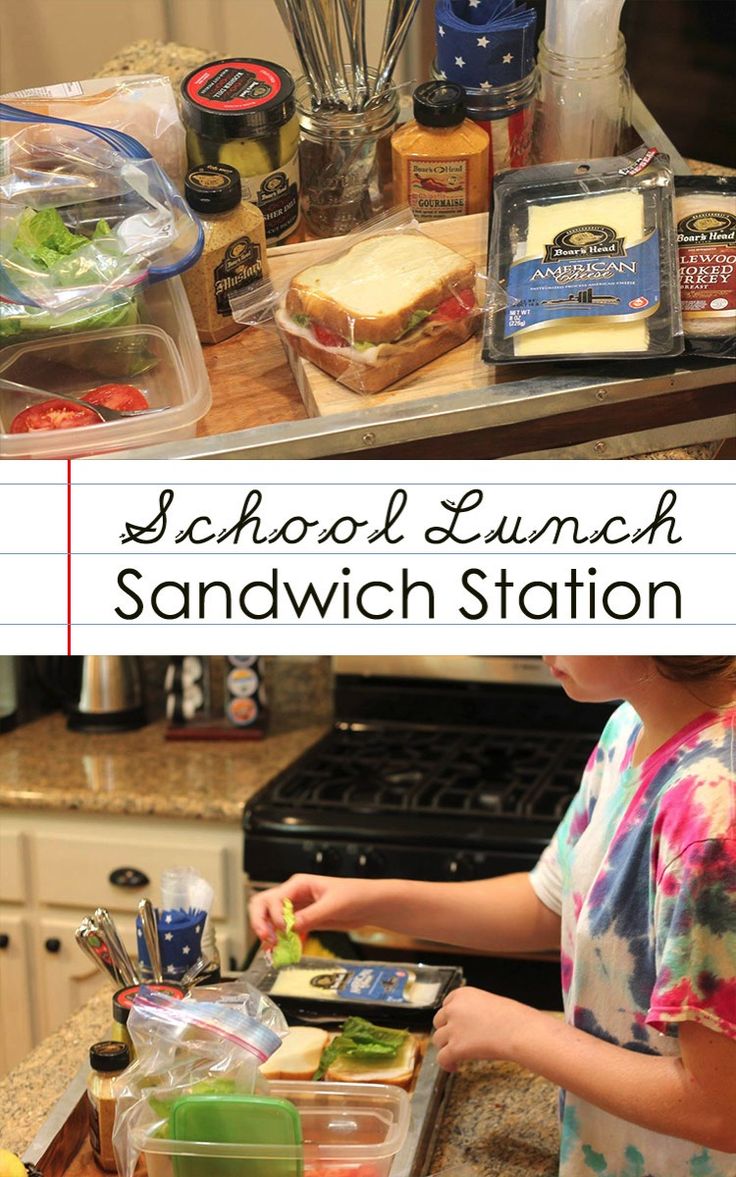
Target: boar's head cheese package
581,262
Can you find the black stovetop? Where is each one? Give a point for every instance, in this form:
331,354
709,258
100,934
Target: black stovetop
400,773
436,800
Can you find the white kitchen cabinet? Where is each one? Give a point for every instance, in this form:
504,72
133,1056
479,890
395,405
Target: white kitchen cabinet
55,868
16,1016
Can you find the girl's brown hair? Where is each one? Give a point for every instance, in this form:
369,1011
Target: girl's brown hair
697,669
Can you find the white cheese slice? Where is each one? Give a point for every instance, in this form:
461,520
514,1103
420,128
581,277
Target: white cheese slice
624,212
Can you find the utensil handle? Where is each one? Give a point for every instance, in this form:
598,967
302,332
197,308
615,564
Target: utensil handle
124,964
150,935
109,970
190,976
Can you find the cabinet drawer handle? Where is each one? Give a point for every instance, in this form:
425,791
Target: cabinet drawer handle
128,877
4,940
53,945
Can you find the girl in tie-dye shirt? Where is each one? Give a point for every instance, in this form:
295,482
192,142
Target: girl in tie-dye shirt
638,888
642,872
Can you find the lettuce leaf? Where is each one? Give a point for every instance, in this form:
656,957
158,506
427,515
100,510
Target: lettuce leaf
44,238
417,318
361,1040
20,322
288,947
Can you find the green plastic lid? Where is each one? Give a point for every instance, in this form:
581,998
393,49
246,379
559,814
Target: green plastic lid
247,1120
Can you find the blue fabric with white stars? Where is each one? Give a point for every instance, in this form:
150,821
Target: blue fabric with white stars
485,43
179,937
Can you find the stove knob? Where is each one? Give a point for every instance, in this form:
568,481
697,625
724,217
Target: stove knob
370,863
462,867
326,860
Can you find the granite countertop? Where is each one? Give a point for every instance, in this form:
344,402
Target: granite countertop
500,1120
45,767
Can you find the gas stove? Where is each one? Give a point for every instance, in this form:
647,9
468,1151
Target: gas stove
426,774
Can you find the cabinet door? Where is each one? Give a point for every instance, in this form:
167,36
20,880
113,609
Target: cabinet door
82,870
16,1027
68,978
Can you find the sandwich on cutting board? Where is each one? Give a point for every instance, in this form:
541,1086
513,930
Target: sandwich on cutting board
300,1053
386,306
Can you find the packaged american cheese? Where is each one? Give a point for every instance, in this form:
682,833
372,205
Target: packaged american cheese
323,990
582,262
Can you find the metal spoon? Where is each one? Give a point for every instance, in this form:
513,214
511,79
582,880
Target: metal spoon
92,945
118,951
196,970
102,411
150,935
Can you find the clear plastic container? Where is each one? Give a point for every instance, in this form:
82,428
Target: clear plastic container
346,1127
584,104
161,356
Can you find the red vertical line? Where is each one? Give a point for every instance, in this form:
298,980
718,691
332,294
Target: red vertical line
68,556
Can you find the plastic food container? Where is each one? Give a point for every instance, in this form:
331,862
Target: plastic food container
161,356
346,1127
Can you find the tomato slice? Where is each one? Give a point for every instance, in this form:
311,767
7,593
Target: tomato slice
52,414
328,338
124,397
457,306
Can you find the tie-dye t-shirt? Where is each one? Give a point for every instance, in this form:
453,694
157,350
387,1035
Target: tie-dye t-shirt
642,871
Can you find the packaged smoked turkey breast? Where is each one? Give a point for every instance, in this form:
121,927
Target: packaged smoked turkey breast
705,215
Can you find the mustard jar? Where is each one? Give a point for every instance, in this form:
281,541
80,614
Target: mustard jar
108,1060
440,159
234,253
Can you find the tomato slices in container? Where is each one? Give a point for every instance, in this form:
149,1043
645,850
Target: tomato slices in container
154,364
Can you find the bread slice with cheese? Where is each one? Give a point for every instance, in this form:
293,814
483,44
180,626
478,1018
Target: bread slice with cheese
384,307
298,1056
398,1072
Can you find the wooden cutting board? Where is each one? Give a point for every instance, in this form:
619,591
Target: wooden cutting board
457,371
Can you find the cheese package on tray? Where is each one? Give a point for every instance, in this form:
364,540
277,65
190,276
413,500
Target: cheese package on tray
322,991
389,300
585,254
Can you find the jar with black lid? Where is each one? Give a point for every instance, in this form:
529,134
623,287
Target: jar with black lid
242,112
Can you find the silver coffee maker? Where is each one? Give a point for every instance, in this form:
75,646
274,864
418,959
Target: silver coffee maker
8,692
100,692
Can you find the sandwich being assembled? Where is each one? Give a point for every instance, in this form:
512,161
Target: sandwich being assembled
386,306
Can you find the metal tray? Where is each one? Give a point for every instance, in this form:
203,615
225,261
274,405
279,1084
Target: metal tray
55,1148
581,411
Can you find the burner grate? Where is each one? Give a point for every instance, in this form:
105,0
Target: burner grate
414,771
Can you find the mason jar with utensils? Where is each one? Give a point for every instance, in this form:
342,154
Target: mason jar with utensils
345,160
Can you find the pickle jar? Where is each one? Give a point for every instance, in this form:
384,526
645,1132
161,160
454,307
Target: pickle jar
242,112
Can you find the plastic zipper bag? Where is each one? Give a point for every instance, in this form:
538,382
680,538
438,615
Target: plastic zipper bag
190,1048
85,212
373,306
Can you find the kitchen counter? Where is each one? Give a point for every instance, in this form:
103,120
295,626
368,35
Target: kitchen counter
45,767
500,1120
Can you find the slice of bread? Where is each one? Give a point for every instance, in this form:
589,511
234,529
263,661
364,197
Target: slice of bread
369,293
396,359
399,1072
299,1054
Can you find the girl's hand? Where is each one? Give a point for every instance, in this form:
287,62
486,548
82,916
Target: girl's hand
473,1024
319,902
